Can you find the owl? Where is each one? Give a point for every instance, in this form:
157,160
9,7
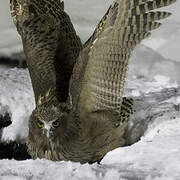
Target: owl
80,112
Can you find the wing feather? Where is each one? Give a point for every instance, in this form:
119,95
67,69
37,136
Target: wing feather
125,25
50,43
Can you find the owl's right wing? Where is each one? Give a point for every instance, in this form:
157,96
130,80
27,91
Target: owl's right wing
50,44
102,65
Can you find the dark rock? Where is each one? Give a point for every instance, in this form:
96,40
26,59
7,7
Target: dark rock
13,150
5,120
15,60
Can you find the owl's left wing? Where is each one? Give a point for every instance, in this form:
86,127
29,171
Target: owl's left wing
102,65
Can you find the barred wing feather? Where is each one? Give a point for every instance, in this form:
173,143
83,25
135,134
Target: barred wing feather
50,43
124,26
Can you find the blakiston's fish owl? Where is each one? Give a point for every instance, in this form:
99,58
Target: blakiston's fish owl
80,114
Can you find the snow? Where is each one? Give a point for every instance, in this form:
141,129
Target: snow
162,80
155,156
16,97
145,62
154,159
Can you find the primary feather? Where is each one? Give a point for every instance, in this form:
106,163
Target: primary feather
125,25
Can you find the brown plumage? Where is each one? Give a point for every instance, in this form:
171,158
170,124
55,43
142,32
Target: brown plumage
50,44
80,114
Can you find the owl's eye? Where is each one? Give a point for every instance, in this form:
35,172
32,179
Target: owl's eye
56,124
40,124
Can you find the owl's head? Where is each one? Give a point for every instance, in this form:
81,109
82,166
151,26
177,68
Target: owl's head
48,121
49,118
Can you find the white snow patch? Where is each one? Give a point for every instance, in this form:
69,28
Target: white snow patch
12,178
167,125
16,97
135,93
162,80
177,100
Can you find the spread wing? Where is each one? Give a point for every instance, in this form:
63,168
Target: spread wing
102,64
50,44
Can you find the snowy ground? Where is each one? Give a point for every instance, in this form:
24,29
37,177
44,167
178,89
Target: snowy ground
157,159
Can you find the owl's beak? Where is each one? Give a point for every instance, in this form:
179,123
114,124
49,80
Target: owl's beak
48,133
47,130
